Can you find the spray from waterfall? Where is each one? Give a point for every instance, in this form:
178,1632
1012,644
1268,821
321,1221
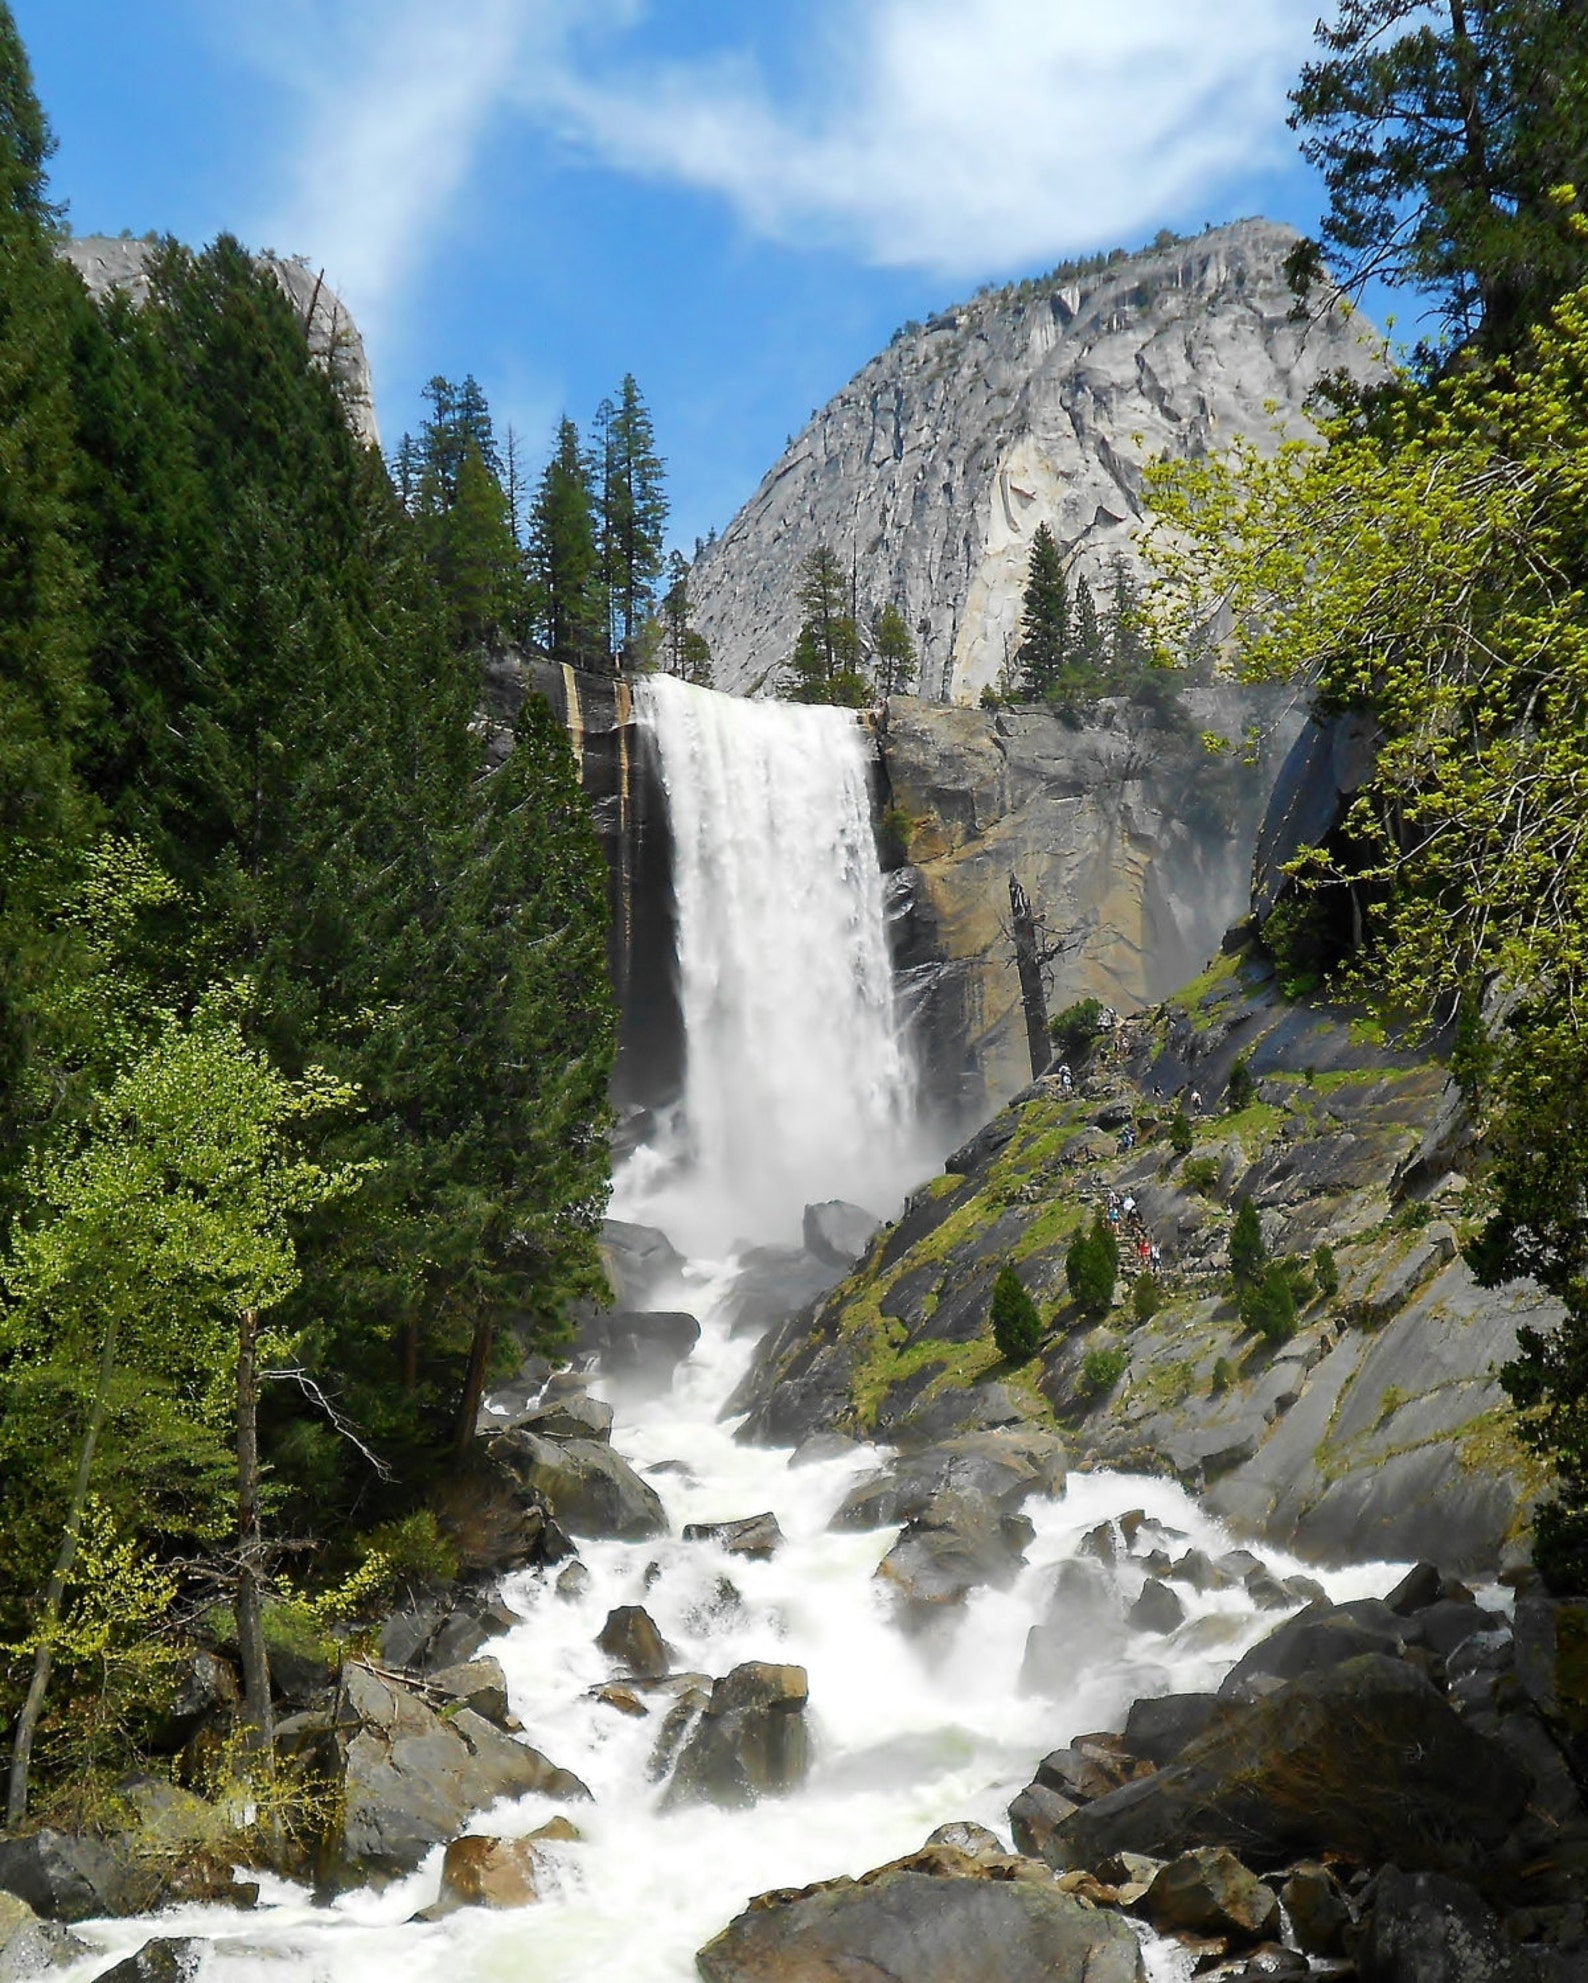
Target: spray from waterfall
798,1083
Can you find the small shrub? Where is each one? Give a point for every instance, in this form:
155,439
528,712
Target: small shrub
1242,1089
1268,1307
1325,1272
1248,1251
1200,1174
1102,1369
1091,1266
415,1550
1145,1297
1223,1376
1016,1325
1073,1030
1181,1134
895,831
1412,1216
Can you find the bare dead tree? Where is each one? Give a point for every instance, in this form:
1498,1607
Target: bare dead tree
1035,954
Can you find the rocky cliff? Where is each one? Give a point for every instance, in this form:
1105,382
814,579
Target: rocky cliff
1376,1430
1133,838
931,470
107,262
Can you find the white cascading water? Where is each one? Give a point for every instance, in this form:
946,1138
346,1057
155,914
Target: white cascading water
798,1086
907,1733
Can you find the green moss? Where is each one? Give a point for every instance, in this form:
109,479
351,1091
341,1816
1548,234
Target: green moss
1189,997
890,1365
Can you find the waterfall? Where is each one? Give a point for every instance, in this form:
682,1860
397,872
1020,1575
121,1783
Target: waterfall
798,1085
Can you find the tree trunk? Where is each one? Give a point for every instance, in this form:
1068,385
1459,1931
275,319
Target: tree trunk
257,1717
473,1386
55,1590
1033,994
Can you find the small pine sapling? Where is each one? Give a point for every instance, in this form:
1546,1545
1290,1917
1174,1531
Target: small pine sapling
1016,1325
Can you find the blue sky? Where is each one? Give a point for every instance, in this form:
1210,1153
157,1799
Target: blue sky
738,203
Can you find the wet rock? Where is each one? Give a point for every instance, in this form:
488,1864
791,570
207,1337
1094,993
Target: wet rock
573,1582
443,1632
630,1637
1266,1591
750,1741
999,1467
1210,1892
66,1877
1317,1910
1321,1636
822,1446
594,1491
955,1547
838,1233
1365,1759
29,1946
756,1536
166,1959
575,1417
485,1872
1083,1620
496,1521
1157,1730
1444,1626
1083,1771
558,1830
1156,1610
639,1352
639,1261
939,1916
407,1780
1034,1815
957,1411
1421,1586
624,1699
689,1705
970,1838
1426,1928
479,1684
776,1282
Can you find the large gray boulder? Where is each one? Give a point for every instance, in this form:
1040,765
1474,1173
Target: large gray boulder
1425,1928
998,1468
838,1232
407,1779
638,1351
1366,1759
939,1916
29,1946
957,1545
71,1876
750,1741
639,1260
775,1281
592,1490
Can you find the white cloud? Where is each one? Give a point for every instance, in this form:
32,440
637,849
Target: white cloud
962,135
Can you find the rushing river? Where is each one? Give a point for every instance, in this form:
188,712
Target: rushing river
798,1088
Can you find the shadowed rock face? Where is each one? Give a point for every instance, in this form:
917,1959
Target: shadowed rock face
934,466
106,263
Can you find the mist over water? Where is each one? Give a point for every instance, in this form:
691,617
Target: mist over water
798,1088
798,1083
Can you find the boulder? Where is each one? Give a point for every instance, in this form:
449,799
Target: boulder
1321,1636
166,1959
1158,1609
837,1233
1210,1892
966,1836
485,1872
1000,1468
1033,1816
1158,1730
756,1536
407,1780
573,1582
1084,1771
639,1261
821,1446
206,1692
749,1742
630,1637
956,1546
436,1634
1426,1928
639,1351
594,1491
775,1282
1318,1914
479,1684
1366,1759
940,1916
575,1417
29,1946
70,1877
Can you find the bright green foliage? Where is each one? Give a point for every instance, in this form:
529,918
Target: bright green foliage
1248,1249
1223,1376
892,652
684,651
1200,1174
825,664
1242,1089
1268,1305
1181,1135
1074,1029
633,513
1324,1271
1445,134
568,600
1045,623
1091,1267
1101,1369
1016,1325
476,559
1146,1297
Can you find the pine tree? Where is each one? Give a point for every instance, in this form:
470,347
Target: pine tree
892,652
1248,1251
476,559
825,664
1045,618
1016,1325
567,597
684,650
1091,1267
633,511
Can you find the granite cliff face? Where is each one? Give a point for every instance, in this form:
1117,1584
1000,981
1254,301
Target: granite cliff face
1132,838
107,262
1039,403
